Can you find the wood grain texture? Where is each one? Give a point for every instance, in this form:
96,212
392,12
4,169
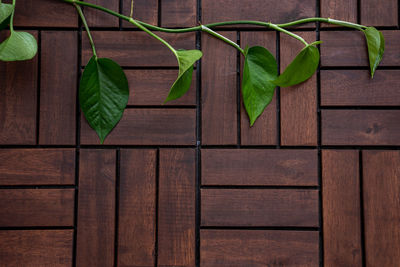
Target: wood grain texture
379,13
339,9
276,11
143,10
96,208
18,94
341,208
137,208
36,207
238,248
355,87
133,49
348,48
264,131
219,91
178,13
37,166
148,127
45,13
381,186
97,18
151,87
360,127
34,248
298,103
176,208
259,167
259,207
58,88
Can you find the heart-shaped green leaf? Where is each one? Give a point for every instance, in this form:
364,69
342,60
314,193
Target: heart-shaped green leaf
18,46
186,60
376,47
301,68
103,94
5,14
260,68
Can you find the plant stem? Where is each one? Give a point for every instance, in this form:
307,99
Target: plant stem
79,9
326,20
221,37
12,17
278,28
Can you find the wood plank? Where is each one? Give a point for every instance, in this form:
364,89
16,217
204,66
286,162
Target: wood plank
58,88
97,18
348,48
248,167
339,9
36,207
264,131
31,248
237,248
45,13
360,127
37,166
148,127
357,88
178,13
96,208
381,186
133,49
143,10
341,208
151,87
277,11
259,207
219,92
18,95
137,208
379,13
298,103
176,208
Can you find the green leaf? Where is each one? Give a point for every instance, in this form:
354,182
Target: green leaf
103,94
376,47
186,60
301,68
18,46
260,68
5,14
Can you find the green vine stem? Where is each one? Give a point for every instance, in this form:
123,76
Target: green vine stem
219,36
82,16
12,17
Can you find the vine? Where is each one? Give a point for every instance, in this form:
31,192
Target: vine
104,91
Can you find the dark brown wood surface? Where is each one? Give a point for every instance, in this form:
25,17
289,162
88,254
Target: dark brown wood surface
259,207
315,182
37,166
341,207
381,186
36,248
137,199
237,248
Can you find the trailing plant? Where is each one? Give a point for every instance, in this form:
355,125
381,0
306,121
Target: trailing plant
104,92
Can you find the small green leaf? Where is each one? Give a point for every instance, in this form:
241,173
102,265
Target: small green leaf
301,68
260,68
376,47
103,94
186,60
18,46
5,14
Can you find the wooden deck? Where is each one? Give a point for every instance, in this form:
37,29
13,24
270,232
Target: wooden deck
316,181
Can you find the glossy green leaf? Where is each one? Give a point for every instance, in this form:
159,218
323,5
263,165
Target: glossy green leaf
301,68
376,47
186,60
18,46
5,14
260,68
103,94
